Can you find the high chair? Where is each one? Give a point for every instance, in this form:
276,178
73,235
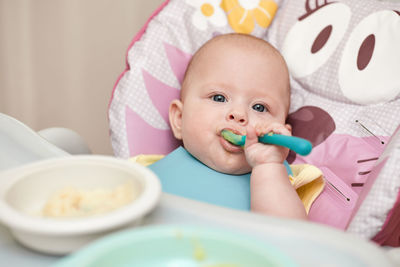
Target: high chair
344,65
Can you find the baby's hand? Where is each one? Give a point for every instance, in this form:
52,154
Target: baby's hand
259,153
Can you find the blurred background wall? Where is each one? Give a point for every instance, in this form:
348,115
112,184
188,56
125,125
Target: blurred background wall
59,61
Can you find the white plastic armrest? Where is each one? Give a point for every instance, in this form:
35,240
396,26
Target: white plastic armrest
66,139
394,255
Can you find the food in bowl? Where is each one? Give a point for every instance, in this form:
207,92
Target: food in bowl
73,202
25,190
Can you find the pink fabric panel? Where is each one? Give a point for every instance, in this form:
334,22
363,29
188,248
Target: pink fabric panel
332,207
341,170
352,166
159,141
178,60
367,186
161,94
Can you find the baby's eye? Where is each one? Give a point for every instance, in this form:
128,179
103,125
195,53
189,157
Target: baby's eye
259,108
218,98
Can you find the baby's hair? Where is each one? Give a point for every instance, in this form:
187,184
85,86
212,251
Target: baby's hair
245,40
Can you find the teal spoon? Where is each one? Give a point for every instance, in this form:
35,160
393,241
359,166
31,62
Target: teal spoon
299,145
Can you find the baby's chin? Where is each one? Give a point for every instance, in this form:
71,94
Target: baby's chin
233,164
234,170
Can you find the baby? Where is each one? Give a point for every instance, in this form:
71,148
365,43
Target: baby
240,83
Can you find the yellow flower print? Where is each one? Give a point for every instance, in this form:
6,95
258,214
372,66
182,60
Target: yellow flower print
207,11
242,14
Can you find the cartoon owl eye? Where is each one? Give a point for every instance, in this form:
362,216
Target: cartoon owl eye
369,70
313,39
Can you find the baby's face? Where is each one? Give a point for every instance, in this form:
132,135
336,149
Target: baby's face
230,89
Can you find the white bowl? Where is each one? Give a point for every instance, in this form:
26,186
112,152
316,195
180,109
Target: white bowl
25,190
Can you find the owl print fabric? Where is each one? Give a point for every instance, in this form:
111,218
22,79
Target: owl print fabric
344,64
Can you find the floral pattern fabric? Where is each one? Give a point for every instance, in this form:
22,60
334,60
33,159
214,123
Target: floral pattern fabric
242,15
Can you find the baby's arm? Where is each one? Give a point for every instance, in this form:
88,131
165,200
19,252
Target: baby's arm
270,188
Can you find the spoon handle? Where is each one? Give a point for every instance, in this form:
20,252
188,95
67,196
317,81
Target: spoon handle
299,145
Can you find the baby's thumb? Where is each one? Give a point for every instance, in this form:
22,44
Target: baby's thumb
251,136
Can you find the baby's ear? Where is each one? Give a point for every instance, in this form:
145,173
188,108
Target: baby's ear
175,118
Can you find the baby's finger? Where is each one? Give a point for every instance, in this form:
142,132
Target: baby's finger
251,136
273,128
289,127
262,129
281,130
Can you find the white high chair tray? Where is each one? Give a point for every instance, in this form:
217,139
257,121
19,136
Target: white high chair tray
308,244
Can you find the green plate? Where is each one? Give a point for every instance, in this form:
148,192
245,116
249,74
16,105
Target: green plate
177,246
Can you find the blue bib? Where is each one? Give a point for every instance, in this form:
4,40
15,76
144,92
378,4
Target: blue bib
182,174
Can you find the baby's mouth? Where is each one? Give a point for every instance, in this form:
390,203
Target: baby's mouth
233,138
229,147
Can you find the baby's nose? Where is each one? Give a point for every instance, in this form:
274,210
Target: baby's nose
239,117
